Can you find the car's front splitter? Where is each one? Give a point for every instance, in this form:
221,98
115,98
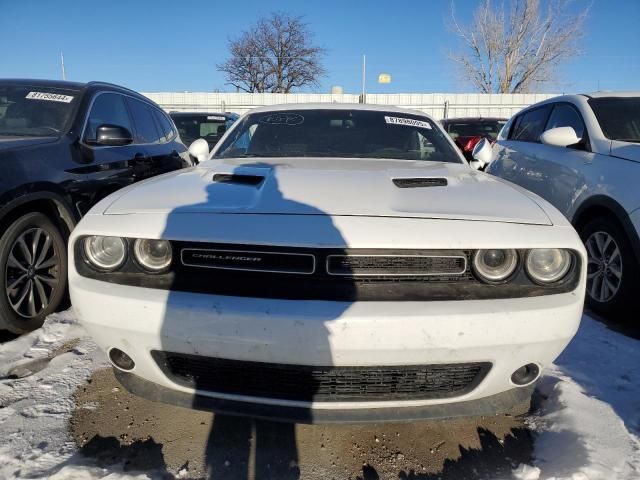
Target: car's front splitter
511,401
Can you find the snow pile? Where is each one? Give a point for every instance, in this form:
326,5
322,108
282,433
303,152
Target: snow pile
588,426
35,410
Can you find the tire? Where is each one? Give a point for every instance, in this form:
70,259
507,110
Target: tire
618,269
31,285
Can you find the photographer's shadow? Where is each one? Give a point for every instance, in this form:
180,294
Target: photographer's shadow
294,331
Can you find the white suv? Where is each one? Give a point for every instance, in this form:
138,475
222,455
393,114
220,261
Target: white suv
582,154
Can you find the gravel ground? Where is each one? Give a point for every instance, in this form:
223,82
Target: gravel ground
113,426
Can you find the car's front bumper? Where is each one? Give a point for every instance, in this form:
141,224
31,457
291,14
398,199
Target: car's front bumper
487,406
508,333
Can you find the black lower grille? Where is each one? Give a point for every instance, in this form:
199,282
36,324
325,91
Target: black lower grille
316,383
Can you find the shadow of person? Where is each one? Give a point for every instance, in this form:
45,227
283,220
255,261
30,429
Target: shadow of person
259,329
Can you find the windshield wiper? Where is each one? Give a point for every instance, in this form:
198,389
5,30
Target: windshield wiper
630,140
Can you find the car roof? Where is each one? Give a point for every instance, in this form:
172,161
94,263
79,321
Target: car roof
32,82
222,114
603,94
77,86
337,106
473,119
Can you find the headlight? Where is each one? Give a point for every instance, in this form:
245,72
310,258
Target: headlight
495,265
105,253
548,265
153,255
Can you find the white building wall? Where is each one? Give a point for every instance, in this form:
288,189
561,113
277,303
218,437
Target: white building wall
438,105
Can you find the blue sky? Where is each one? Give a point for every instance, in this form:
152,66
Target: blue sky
158,45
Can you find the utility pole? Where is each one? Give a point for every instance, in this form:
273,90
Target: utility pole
64,76
364,75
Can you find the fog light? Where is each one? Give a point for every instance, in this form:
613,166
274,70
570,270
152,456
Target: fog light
525,374
121,359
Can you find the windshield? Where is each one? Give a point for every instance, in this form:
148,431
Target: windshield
32,111
618,117
338,133
486,128
209,127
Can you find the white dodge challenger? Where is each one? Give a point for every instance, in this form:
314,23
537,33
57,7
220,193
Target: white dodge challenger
329,263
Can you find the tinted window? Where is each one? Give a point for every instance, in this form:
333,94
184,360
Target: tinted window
209,127
475,128
34,111
165,126
618,117
530,125
339,133
506,128
146,131
107,109
564,115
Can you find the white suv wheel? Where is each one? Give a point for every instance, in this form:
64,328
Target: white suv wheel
604,269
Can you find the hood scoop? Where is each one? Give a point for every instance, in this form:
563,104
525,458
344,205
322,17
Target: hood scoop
238,179
420,182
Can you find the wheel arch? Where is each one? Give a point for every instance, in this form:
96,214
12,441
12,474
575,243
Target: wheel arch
52,204
603,206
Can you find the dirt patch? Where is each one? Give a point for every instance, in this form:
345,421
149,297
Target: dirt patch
113,426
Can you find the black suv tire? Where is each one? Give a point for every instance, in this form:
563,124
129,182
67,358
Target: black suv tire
33,272
605,262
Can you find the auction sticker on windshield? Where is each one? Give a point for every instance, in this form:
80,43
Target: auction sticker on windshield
50,97
409,122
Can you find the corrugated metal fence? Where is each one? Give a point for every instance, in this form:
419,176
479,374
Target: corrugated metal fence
438,105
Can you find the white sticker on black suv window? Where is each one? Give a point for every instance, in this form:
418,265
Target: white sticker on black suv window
214,117
49,97
409,122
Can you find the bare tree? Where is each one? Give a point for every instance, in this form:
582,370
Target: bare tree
515,50
275,55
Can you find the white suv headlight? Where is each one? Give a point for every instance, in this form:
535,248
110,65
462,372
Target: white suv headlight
105,253
548,265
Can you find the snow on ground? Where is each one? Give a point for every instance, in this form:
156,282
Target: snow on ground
35,410
587,425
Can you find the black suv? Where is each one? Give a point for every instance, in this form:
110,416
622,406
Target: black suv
63,147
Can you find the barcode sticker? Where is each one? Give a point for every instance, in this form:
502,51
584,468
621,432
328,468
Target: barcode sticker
49,97
409,122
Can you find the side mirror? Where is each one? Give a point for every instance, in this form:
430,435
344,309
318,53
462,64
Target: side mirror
482,154
560,137
199,150
113,136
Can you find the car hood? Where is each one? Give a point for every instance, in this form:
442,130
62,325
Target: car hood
329,186
12,143
627,150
